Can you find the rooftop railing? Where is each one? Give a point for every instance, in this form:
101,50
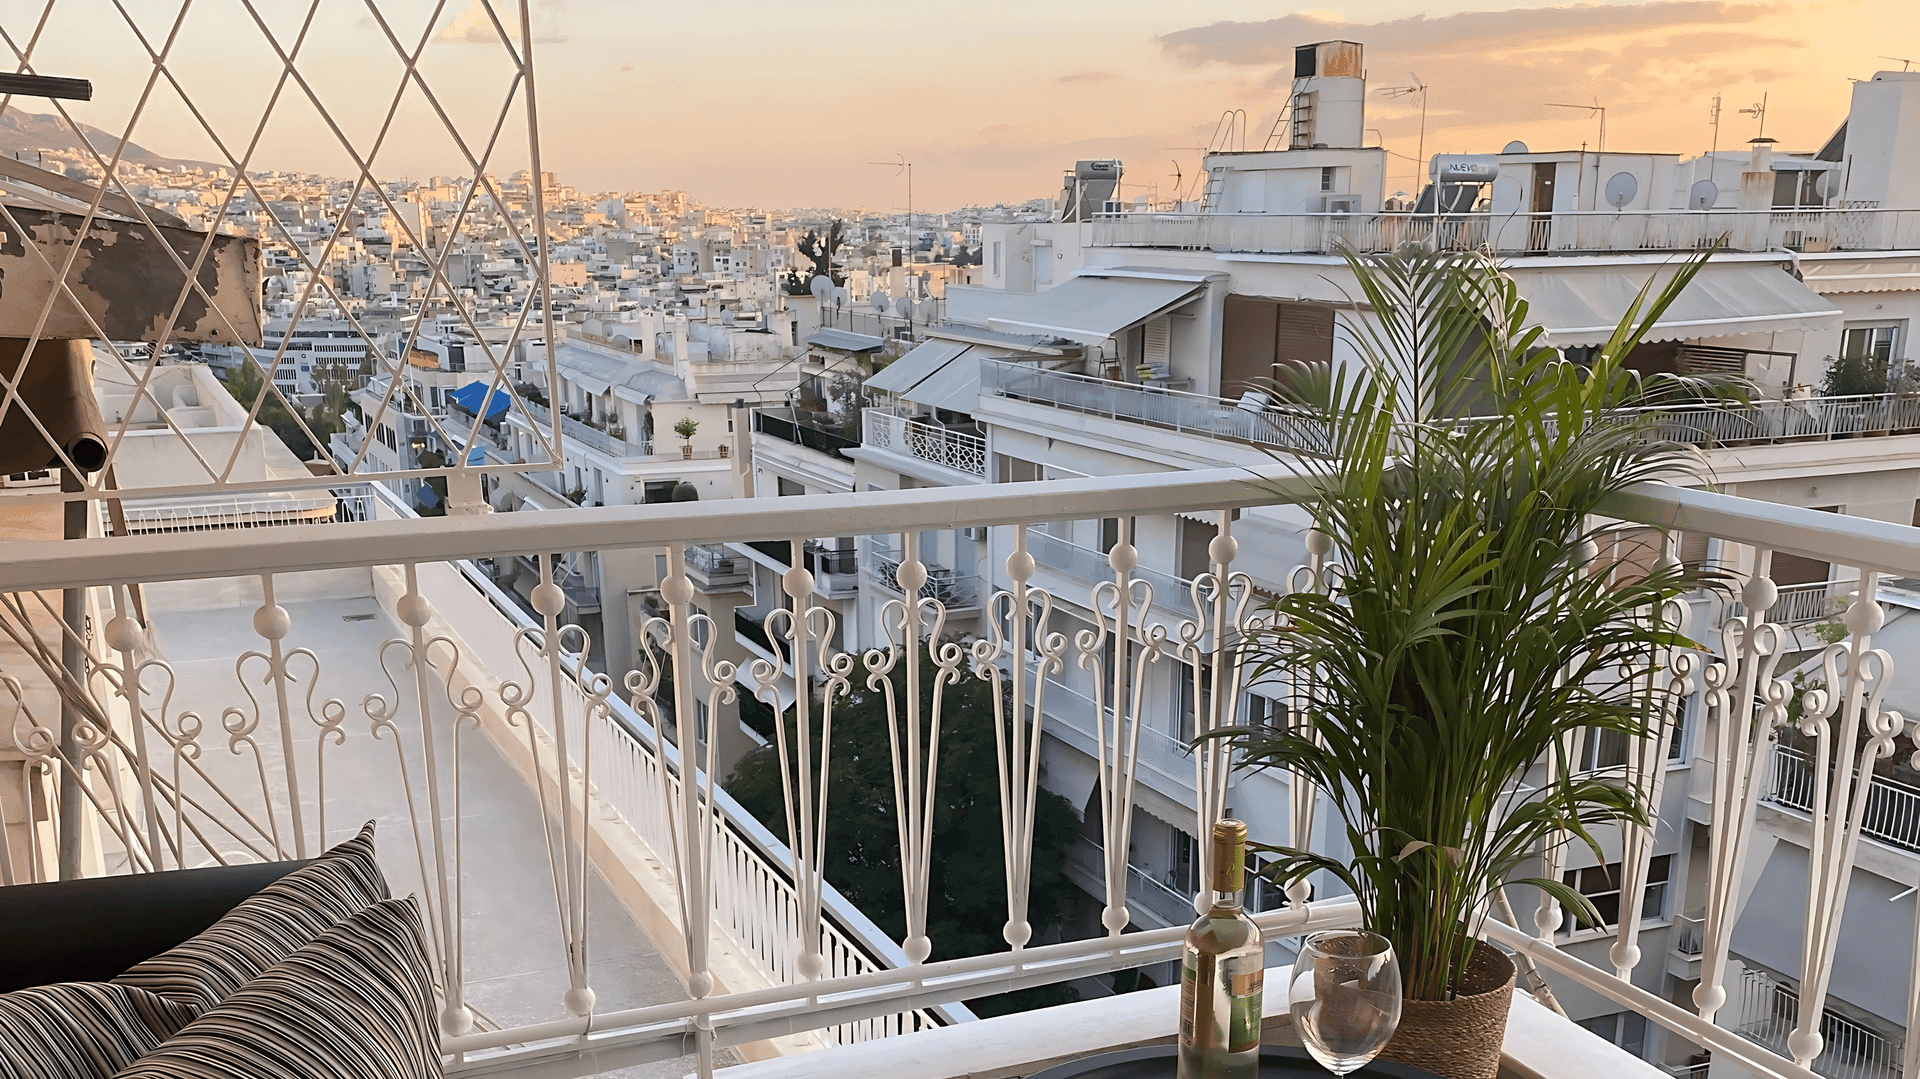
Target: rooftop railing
802,433
767,945
1561,232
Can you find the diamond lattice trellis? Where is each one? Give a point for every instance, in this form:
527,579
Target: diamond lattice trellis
446,69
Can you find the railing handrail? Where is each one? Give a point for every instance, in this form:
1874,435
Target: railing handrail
1729,211
35,565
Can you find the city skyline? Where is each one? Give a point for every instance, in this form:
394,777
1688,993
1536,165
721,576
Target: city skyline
795,102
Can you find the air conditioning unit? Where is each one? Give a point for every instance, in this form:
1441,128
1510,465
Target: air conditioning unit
1346,205
976,533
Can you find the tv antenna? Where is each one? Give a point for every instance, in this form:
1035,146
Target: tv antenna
900,166
1758,112
1905,64
1595,109
1714,116
1418,86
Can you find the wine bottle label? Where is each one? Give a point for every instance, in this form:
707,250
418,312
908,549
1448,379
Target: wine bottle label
1245,975
1189,983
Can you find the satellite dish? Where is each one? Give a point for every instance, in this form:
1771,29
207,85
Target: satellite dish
821,286
726,316
879,302
1621,188
1823,184
1702,195
1514,147
839,297
903,306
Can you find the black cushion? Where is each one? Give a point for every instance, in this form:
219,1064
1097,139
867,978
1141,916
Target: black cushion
90,930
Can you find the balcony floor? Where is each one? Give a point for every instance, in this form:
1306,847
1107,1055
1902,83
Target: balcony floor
513,951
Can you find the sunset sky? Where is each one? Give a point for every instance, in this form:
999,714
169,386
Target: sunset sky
785,104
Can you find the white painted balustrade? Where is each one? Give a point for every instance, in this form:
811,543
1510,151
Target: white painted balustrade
165,787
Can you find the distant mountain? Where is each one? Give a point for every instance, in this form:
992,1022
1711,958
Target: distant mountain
27,132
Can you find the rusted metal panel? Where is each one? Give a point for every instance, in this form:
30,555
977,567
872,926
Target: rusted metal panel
126,281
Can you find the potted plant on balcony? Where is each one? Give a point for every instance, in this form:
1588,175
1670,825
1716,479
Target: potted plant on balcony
685,429
1470,628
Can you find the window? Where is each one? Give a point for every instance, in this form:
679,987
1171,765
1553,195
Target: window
786,487
1876,342
1628,1030
1265,712
996,258
1326,178
1602,885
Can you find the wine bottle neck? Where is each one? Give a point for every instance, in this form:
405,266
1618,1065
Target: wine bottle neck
1226,901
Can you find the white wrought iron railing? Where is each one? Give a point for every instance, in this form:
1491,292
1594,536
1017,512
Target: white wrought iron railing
456,676
1800,604
1516,234
883,558
1803,419
1189,413
1891,813
1769,1010
957,450
1689,935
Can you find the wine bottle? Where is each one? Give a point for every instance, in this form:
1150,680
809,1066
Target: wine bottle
1221,973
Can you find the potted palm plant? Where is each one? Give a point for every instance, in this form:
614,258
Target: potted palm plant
1470,629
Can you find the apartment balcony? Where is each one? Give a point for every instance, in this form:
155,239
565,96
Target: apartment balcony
956,450
1891,813
587,435
835,570
1560,233
560,842
1189,413
793,425
881,557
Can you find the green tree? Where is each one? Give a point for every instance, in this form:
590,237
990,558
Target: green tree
820,250
247,383
966,892
1851,376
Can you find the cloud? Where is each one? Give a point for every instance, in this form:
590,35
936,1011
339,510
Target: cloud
474,27
1088,76
1273,40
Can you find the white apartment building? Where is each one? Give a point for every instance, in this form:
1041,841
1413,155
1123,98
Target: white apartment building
1107,344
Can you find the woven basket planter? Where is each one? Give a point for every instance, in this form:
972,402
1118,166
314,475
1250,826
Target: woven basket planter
1459,1038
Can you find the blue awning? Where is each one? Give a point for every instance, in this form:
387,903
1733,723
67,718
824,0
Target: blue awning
469,396
478,456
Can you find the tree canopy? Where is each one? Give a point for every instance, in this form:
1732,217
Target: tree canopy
967,897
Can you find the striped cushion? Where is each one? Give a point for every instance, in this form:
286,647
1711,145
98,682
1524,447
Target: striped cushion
355,1003
82,1030
265,928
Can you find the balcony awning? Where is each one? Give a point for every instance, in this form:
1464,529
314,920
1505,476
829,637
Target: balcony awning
1582,306
910,370
955,387
1833,276
470,395
1087,309
844,340
1774,921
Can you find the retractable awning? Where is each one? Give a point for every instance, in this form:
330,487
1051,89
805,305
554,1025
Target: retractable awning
955,387
910,370
1833,276
844,340
470,395
1088,309
1582,306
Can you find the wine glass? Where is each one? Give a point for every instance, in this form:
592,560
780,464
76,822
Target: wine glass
1345,997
